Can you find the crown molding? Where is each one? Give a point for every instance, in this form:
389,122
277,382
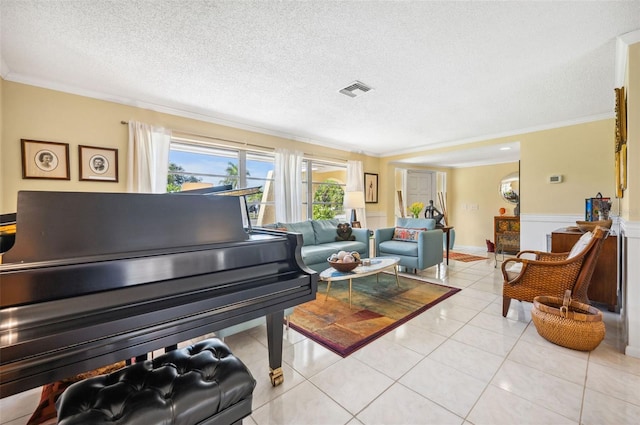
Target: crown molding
196,115
622,51
518,132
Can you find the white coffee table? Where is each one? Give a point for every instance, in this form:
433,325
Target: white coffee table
378,264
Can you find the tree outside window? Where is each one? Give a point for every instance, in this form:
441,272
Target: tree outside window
176,178
328,200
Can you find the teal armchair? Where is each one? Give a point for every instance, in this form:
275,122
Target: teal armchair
417,249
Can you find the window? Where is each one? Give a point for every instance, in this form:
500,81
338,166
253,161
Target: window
197,163
215,166
259,172
324,191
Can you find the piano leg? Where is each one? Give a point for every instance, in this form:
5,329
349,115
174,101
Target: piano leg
274,341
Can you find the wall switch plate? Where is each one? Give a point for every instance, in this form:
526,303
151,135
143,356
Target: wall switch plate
555,178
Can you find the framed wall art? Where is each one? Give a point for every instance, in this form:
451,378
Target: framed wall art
98,164
370,188
621,142
45,160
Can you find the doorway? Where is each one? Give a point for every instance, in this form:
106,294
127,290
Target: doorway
421,187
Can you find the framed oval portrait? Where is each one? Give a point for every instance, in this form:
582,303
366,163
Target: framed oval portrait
98,164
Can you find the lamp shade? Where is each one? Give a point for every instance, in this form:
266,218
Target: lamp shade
353,200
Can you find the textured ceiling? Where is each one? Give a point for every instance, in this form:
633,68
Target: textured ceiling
443,73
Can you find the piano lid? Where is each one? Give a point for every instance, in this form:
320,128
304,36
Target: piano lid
62,225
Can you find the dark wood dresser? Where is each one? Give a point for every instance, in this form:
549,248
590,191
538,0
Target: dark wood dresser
604,282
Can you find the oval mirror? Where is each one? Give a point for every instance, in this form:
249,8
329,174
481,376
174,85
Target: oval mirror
510,188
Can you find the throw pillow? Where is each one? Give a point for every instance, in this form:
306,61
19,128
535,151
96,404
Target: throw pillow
344,233
46,412
407,234
514,270
580,245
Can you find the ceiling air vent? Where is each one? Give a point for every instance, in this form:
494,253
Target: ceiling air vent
355,89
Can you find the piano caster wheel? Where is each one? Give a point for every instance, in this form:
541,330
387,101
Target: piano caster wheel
276,376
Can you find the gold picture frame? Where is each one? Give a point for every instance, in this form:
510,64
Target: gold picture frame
621,142
98,164
45,160
621,118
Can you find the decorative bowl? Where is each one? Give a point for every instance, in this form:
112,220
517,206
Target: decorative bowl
588,226
344,267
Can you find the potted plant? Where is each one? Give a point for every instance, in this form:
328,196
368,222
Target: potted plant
415,209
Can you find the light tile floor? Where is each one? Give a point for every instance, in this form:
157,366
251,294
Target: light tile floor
460,362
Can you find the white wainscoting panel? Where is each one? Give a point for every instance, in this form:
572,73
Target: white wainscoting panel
535,228
376,220
630,303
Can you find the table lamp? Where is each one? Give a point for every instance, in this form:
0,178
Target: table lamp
353,200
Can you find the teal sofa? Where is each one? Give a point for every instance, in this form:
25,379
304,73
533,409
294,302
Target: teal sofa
420,249
318,244
319,241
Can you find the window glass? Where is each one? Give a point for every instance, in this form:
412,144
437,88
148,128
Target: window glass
323,181
194,164
197,164
325,189
260,173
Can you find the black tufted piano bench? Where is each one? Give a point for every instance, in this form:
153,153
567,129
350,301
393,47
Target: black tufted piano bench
200,384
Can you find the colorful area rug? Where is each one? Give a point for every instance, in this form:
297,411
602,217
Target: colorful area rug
377,308
458,256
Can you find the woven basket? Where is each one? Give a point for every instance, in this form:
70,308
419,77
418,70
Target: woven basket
568,323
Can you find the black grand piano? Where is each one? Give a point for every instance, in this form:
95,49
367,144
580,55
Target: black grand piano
96,278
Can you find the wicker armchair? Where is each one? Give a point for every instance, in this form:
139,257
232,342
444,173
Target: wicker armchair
552,273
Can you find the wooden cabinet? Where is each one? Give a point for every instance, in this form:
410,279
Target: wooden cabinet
604,282
506,233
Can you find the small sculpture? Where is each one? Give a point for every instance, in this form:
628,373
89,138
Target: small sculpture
432,212
344,232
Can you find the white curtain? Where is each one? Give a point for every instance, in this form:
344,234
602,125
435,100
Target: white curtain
288,179
147,158
355,182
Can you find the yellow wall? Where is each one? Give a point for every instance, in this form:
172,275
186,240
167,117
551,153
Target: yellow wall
477,186
582,153
631,201
47,115
1,138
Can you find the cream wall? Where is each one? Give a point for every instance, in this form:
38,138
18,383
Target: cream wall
1,150
583,154
40,114
631,200
630,223
477,186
